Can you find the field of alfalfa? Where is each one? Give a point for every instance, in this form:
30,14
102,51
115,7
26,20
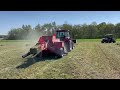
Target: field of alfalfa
90,59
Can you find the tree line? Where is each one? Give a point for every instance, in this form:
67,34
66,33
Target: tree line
79,31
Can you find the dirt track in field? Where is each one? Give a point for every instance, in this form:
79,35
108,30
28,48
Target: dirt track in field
88,60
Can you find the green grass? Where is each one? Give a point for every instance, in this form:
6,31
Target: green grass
15,40
93,40
88,40
79,40
90,59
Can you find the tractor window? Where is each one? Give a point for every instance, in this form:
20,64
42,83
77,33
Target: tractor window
62,34
57,34
67,34
108,36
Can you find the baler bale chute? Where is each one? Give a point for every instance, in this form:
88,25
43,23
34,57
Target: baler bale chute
34,51
59,44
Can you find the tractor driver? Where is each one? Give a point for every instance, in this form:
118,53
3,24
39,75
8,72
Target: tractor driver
62,36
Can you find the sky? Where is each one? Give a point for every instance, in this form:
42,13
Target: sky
15,19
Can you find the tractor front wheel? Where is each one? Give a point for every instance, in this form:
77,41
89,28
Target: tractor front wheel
69,46
65,49
61,54
102,41
73,45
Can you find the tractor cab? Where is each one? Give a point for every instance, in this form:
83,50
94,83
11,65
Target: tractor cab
62,34
108,36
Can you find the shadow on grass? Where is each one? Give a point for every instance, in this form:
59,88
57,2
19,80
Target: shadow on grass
31,61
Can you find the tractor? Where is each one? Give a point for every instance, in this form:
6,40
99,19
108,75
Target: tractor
60,43
108,38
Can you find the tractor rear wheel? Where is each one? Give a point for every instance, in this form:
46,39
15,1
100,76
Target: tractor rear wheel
114,41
